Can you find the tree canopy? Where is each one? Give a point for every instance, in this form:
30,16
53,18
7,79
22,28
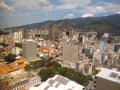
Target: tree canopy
55,68
10,58
18,45
47,72
51,68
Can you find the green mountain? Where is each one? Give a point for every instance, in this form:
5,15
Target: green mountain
100,24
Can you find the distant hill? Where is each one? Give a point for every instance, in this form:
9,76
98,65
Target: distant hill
100,24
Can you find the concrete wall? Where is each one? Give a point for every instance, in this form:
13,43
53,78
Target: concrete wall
103,84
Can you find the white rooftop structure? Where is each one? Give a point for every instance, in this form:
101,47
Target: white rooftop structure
34,88
108,74
59,82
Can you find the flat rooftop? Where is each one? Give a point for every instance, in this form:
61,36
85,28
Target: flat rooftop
109,74
59,82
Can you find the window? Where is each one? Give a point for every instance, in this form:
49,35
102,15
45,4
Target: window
113,75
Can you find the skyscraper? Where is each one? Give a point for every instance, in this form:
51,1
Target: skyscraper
25,34
29,48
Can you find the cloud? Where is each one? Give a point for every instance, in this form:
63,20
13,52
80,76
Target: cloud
87,15
110,7
118,12
72,4
66,7
5,7
97,9
47,8
77,3
69,16
102,8
30,4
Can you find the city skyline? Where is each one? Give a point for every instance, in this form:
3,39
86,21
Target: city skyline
21,12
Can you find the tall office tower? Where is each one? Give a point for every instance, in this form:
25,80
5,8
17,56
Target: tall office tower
25,34
107,79
29,48
54,32
70,53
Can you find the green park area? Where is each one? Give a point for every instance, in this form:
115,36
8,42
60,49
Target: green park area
51,68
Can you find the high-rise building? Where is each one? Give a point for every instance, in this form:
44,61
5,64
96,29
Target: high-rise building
54,32
70,53
25,34
29,48
18,36
107,79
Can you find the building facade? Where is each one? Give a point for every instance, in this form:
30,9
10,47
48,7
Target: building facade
29,48
18,36
70,53
54,32
107,79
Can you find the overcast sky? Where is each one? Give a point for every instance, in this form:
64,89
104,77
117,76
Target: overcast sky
20,12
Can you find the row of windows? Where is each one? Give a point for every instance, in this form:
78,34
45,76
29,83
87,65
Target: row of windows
28,85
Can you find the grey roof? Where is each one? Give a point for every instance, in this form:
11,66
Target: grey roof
50,81
62,80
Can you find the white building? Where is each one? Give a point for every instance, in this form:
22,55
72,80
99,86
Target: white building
29,48
18,36
107,79
59,82
70,53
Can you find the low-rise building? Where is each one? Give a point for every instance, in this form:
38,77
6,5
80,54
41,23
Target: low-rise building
107,79
26,84
16,65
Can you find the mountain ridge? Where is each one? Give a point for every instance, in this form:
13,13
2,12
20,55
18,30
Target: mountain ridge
107,23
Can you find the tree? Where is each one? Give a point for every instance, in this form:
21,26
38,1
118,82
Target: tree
55,68
28,67
3,44
63,71
18,45
10,58
47,73
43,74
55,64
75,76
42,63
83,80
